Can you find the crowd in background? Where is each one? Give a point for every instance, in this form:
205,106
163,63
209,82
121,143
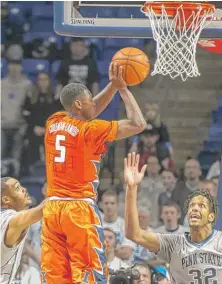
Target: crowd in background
26,104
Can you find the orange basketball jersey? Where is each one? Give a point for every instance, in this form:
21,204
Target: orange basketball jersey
73,150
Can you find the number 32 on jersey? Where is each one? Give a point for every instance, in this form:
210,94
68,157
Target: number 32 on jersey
208,276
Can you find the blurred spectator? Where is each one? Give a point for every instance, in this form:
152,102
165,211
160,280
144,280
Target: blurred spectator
33,241
161,275
150,189
171,214
192,173
79,67
38,106
140,253
169,181
39,48
13,21
153,167
145,273
14,52
214,169
109,204
10,167
215,179
144,218
26,274
14,88
114,262
4,11
150,146
210,186
152,116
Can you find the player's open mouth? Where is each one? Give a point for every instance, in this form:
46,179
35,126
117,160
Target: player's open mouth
195,217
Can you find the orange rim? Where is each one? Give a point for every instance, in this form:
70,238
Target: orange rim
172,7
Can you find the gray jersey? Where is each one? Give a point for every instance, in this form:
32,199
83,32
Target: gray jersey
192,263
10,257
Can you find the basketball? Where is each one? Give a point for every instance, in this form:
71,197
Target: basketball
135,63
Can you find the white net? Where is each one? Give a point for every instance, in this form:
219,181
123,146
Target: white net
177,39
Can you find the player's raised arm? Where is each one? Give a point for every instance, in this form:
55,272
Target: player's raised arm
20,222
133,231
135,122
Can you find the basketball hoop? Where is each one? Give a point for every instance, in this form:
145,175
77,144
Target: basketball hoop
176,28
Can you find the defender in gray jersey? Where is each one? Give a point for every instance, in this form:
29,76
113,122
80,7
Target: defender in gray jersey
15,222
195,257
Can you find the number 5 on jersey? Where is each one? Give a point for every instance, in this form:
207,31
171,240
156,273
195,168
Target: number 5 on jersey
59,148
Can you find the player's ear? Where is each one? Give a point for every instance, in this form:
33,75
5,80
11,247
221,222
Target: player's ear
6,200
78,104
211,217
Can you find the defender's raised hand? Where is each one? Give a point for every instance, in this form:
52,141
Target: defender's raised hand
116,76
132,176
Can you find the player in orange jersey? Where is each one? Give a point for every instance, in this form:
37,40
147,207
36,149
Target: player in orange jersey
73,248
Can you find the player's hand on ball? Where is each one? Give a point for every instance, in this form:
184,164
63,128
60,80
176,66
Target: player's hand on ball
116,76
132,176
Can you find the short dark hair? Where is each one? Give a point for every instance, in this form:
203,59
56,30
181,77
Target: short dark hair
70,92
110,192
144,265
150,132
214,205
171,171
4,186
171,203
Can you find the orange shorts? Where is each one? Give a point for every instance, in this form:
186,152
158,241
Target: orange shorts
73,245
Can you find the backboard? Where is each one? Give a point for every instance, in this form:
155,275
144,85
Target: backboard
119,19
